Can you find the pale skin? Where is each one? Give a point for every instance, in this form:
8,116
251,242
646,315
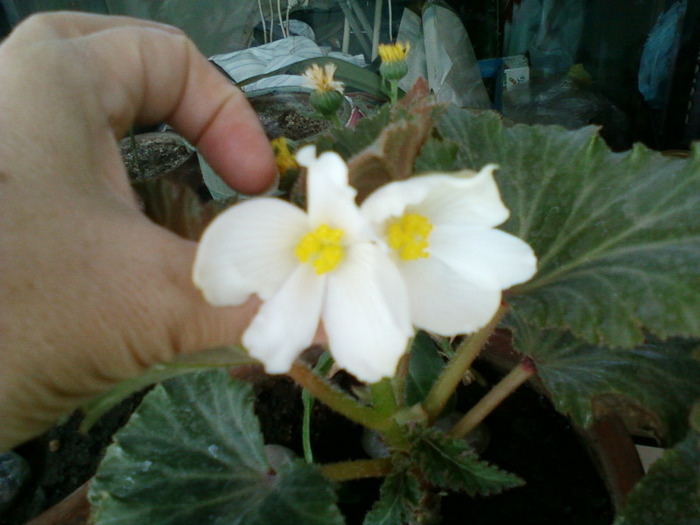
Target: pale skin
92,292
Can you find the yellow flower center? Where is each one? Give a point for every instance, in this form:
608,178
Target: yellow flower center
408,235
393,52
322,248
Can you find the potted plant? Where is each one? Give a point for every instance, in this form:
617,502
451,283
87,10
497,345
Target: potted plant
605,326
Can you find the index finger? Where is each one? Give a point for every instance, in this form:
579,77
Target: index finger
143,72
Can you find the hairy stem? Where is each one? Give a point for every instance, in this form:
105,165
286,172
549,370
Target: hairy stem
339,401
453,372
506,386
359,469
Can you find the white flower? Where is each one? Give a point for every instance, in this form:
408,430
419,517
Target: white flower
455,264
320,265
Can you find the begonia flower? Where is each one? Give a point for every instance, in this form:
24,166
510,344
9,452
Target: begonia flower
320,265
441,230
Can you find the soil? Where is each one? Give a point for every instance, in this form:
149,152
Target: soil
289,114
63,459
527,437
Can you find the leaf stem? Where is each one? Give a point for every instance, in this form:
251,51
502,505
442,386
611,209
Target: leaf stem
308,402
339,401
506,386
359,469
322,365
453,372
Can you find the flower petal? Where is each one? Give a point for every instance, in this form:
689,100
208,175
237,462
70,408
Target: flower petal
286,323
445,303
330,200
248,249
464,198
486,255
366,314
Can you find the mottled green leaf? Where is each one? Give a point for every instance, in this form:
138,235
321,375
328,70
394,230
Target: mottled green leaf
193,453
398,503
225,356
452,464
617,234
424,368
349,141
661,377
667,495
437,155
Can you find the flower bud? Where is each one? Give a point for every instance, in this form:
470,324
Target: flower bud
326,102
394,66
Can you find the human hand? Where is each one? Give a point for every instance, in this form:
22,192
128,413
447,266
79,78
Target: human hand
91,292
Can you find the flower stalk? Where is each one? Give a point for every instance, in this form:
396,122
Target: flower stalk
506,386
337,400
455,369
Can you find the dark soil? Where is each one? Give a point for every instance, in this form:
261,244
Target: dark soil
531,439
289,114
63,459
150,155
527,437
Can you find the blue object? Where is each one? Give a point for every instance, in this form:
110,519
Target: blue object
659,56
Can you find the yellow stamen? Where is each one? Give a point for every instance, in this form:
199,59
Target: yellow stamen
322,248
408,235
393,52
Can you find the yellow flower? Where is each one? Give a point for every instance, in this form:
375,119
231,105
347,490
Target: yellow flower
328,93
393,52
394,66
283,158
321,78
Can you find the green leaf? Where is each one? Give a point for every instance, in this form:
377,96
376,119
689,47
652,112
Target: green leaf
382,148
662,378
617,234
399,501
436,155
667,495
425,366
225,356
349,141
452,464
193,453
